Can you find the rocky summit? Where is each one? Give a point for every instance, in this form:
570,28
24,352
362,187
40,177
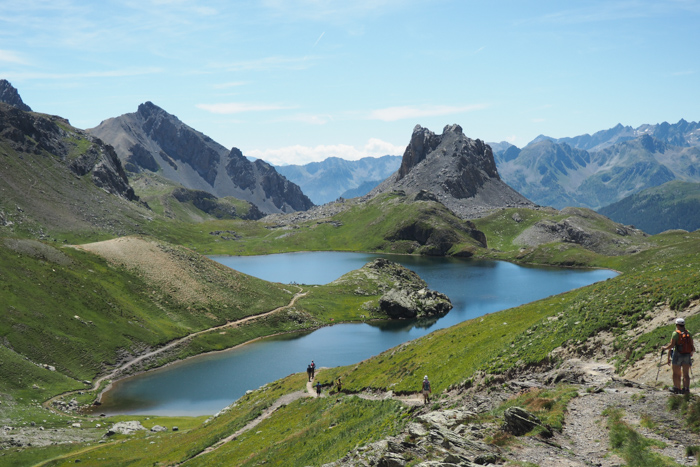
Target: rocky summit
9,95
460,172
153,140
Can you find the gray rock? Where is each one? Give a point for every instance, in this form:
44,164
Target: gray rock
518,421
125,428
448,418
158,428
391,459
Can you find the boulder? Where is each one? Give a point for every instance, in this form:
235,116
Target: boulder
125,428
518,421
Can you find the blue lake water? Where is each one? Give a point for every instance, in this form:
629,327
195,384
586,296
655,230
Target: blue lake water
208,383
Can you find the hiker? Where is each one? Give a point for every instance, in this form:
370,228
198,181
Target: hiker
339,385
308,371
318,389
426,390
313,369
682,349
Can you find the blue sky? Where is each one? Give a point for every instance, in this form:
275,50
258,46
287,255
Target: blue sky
292,81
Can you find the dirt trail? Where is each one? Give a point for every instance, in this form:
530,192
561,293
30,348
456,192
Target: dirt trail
284,400
96,384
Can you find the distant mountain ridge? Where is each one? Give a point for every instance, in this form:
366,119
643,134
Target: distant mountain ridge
333,177
153,140
456,170
597,170
673,205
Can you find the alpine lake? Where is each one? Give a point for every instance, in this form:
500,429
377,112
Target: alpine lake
207,383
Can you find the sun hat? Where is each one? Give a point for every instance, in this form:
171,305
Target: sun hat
680,321
425,377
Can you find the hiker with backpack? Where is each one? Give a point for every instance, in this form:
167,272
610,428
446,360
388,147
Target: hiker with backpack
426,390
681,349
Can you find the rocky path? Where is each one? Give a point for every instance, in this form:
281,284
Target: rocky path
231,324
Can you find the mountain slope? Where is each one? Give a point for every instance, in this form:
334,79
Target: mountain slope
153,140
328,180
459,171
57,181
673,205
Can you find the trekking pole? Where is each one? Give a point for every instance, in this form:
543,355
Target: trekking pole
659,366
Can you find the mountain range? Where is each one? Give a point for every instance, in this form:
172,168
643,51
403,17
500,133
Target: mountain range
335,178
152,140
600,169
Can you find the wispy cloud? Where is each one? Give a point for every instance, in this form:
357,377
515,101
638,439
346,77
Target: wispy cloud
620,10
391,114
306,118
84,75
319,38
240,107
231,84
8,56
269,63
331,10
304,154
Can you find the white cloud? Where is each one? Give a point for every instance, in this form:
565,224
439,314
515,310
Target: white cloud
300,155
306,118
11,57
392,114
239,107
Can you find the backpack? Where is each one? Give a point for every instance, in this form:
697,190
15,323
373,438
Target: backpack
426,385
685,342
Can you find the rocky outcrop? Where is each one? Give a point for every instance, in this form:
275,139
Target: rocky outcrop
397,303
409,297
41,135
10,96
210,204
153,140
460,172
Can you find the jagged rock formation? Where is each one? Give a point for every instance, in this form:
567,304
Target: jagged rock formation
459,171
9,95
153,140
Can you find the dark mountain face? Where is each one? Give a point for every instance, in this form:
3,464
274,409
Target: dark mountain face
9,95
153,140
460,172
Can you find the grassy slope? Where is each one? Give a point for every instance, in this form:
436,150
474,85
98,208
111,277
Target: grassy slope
374,226
493,344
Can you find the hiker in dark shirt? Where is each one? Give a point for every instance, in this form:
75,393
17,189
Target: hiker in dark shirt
426,390
318,389
313,369
309,372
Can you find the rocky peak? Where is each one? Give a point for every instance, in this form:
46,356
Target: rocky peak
423,142
460,171
149,109
9,95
